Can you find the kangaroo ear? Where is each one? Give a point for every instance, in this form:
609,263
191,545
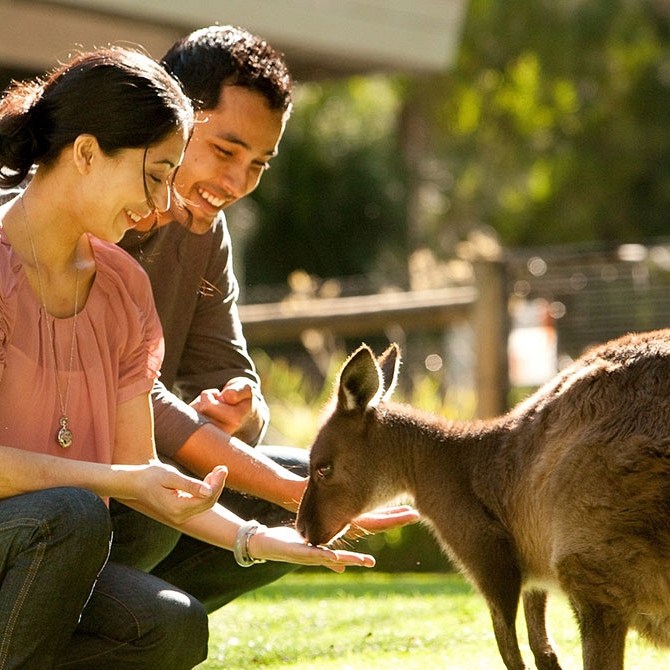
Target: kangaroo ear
389,363
360,381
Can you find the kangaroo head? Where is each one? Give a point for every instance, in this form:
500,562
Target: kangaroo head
343,480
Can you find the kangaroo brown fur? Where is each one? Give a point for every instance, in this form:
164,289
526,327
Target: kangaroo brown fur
569,489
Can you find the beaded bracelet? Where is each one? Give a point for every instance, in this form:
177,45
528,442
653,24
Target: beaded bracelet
241,545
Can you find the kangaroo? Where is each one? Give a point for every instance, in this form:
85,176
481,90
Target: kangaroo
570,489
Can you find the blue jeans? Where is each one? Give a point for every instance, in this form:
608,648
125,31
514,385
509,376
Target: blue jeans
62,605
206,572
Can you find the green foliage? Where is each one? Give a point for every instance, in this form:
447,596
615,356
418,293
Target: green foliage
332,204
295,400
554,125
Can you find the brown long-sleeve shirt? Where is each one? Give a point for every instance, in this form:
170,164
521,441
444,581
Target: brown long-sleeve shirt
196,293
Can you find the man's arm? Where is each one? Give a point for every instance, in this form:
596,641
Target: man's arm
214,353
187,438
249,470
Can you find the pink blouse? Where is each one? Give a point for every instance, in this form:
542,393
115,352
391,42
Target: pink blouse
118,354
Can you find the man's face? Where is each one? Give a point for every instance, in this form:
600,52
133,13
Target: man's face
228,153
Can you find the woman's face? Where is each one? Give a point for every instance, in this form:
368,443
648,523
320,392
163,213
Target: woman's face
128,186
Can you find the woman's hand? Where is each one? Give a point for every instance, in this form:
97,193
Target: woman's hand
167,494
287,545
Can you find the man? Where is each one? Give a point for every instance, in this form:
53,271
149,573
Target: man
242,90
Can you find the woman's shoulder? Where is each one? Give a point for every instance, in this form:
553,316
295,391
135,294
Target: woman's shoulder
10,294
9,264
110,257
118,272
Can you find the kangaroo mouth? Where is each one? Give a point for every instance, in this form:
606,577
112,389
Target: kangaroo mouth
340,534
323,537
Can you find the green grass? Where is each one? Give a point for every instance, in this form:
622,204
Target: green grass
374,621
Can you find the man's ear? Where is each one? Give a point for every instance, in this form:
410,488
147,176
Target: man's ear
84,150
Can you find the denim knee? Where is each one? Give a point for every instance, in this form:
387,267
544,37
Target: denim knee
58,517
53,544
82,514
136,620
190,629
78,519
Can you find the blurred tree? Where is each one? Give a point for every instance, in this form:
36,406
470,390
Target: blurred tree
554,126
332,204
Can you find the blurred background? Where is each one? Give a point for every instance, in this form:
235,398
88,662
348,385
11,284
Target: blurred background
486,182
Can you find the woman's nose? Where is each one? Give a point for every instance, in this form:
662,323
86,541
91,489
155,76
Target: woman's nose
161,200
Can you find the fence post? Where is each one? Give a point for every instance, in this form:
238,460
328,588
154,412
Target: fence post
491,324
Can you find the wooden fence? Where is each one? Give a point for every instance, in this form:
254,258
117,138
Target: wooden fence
482,305
593,294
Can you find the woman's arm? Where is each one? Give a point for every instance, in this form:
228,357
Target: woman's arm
217,526
161,491
24,471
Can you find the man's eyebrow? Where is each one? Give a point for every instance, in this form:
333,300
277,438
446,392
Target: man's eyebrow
234,139
166,161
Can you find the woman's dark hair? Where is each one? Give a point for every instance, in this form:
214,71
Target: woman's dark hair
120,96
217,56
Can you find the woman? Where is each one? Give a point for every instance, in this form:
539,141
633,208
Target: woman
80,345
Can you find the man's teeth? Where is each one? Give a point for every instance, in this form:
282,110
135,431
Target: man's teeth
134,216
212,199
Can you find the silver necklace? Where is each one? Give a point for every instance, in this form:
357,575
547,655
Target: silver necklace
64,435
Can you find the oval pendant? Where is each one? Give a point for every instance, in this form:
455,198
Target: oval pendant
64,435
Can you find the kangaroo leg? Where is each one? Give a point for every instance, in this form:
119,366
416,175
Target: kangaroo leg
501,586
603,634
505,634
508,645
597,603
535,609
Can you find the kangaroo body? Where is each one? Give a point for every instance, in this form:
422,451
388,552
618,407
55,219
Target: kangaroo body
571,489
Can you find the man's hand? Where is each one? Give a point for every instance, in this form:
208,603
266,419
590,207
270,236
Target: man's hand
381,520
234,409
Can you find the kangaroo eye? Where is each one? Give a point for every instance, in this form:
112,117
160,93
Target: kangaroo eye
324,471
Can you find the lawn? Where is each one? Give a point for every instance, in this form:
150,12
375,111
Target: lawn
315,620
